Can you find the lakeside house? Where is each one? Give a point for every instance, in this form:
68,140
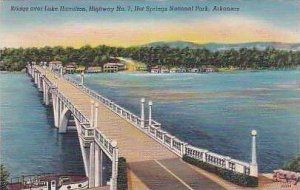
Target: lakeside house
194,70
141,67
113,67
80,69
70,67
164,70
155,69
177,70
55,64
96,69
209,70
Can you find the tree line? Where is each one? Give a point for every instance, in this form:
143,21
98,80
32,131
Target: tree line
15,59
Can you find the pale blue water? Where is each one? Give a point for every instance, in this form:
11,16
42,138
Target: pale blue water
29,143
214,111
217,111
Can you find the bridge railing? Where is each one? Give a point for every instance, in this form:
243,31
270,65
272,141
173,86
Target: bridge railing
169,141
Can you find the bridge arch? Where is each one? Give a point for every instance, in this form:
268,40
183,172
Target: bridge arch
65,117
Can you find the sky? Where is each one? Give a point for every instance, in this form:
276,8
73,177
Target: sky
256,20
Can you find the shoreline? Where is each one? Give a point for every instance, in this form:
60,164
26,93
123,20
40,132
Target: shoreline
217,71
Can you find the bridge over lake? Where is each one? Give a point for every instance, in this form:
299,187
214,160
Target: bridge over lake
107,130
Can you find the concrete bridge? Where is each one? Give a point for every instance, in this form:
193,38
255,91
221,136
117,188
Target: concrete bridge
108,131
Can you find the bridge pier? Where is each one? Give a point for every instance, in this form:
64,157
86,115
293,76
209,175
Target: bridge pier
115,161
56,111
92,165
46,92
45,88
35,77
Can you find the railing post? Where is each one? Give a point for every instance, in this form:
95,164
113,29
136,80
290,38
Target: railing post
150,113
143,112
204,155
183,145
253,165
171,141
227,160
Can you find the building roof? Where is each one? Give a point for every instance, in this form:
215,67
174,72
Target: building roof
70,66
155,67
80,68
72,63
94,68
55,62
113,64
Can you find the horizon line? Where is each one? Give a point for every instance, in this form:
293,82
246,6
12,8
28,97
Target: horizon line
160,41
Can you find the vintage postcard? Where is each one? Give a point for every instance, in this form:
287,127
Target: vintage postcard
149,94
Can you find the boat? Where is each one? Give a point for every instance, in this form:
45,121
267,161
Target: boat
48,182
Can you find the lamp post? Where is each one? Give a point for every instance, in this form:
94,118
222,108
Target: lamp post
253,165
82,78
150,112
253,134
143,112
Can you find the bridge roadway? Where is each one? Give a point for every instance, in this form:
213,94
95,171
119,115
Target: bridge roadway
150,165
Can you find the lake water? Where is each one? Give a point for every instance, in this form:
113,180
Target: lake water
29,143
214,111
217,111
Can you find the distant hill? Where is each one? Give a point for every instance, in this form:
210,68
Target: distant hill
223,46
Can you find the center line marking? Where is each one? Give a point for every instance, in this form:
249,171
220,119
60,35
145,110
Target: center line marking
174,175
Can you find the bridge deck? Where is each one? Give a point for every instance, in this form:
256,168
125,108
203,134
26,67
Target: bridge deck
154,165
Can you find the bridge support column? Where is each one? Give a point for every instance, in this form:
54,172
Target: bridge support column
115,160
56,111
84,157
92,165
143,112
60,108
39,82
98,166
253,165
35,77
46,93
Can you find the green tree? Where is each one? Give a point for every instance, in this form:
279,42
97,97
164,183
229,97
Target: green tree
4,175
